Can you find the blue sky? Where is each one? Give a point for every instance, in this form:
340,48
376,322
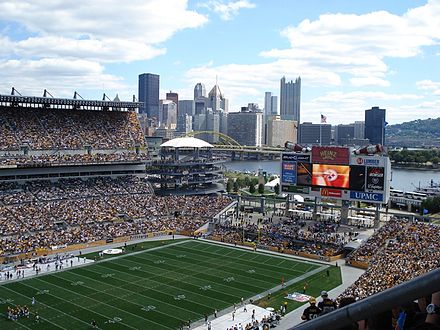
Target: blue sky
351,55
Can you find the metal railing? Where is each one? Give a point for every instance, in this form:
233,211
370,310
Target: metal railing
418,287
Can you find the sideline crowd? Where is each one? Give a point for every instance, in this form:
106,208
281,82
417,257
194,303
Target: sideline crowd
44,214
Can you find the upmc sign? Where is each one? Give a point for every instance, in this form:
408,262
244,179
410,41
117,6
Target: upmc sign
366,196
330,155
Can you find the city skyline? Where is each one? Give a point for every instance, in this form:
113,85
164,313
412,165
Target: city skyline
351,56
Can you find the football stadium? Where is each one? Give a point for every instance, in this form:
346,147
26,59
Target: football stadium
86,242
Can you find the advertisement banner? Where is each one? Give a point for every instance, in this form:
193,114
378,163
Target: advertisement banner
366,196
330,155
330,175
367,160
295,189
327,192
288,172
375,178
296,157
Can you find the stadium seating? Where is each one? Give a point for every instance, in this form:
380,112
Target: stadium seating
44,214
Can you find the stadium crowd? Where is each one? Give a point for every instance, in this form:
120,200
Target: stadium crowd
397,252
56,159
54,129
319,238
44,214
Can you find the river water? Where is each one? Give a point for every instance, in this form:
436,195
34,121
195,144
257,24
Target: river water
402,179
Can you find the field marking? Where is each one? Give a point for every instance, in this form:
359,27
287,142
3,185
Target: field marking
201,273
189,267
130,293
265,273
41,303
261,254
213,261
98,303
177,288
209,263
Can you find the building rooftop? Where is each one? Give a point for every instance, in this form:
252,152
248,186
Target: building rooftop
187,142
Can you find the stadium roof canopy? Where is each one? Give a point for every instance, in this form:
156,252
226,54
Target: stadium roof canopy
59,103
187,142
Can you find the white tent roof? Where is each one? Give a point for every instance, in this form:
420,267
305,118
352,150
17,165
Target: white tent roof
187,142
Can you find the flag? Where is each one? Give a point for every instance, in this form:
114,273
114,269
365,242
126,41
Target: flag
385,123
323,119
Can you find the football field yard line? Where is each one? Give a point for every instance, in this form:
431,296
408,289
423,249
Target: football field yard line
47,306
231,266
259,254
180,279
220,278
80,307
139,293
189,268
184,268
258,263
144,296
131,293
246,259
100,302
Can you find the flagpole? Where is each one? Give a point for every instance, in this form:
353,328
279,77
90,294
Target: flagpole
320,130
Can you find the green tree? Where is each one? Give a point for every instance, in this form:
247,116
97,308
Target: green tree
277,189
247,181
261,188
229,186
251,188
240,182
432,204
236,186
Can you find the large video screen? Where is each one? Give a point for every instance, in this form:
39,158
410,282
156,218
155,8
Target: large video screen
357,178
326,175
304,174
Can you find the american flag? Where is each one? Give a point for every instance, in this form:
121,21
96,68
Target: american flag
323,119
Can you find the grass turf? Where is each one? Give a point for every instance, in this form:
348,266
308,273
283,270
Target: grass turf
154,289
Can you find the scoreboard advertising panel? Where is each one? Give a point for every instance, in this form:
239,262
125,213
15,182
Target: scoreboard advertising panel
335,172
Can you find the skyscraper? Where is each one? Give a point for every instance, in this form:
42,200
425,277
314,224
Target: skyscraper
246,127
375,125
149,94
270,104
175,98
290,99
199,91
267,104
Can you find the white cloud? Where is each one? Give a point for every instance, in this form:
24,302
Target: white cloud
108,30
227,10
85,34
61,77
343,50
340,107
430,86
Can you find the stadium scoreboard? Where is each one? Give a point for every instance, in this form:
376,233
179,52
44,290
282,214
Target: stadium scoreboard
337,173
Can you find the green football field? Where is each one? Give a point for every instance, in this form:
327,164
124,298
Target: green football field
152,289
